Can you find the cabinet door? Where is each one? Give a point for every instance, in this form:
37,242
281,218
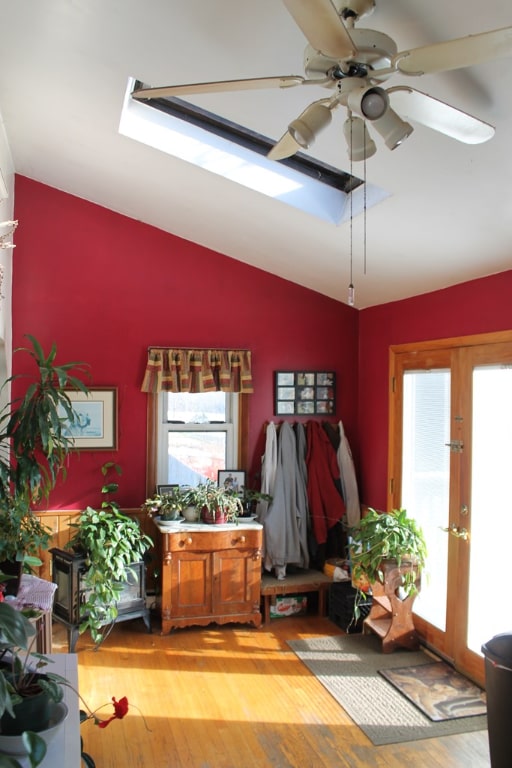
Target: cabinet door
191,584
236,582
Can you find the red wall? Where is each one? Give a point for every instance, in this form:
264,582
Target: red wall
105,287
479,306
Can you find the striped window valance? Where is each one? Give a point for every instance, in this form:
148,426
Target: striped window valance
198,370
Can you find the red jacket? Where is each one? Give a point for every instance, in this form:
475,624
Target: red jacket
326,505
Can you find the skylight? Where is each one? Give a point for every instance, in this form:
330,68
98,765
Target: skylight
181,129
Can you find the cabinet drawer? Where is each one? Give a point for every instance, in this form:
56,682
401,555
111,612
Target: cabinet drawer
239,538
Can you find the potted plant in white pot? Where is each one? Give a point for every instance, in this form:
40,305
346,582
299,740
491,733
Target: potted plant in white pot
31,707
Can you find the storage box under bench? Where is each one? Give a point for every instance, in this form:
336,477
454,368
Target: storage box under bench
296,583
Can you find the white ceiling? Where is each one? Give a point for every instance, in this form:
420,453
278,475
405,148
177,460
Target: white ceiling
64,68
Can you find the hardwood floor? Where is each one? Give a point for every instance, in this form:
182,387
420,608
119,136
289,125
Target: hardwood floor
233,697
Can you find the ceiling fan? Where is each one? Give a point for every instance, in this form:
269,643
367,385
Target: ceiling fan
353,63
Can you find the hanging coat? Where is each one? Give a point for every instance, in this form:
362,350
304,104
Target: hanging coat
282,535
303,520
348,479
326,505
268,470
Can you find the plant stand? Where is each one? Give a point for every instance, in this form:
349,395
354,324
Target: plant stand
68,570
391,617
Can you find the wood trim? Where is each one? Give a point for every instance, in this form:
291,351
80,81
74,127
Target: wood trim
151,446
456,341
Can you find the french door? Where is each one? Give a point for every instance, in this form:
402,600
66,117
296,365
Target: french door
451,468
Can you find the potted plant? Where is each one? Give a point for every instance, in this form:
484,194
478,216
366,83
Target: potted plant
29,697
34,446
22,675
111,542
384,536
167,506
250,499
217,504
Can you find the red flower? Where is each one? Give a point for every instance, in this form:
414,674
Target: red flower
120,710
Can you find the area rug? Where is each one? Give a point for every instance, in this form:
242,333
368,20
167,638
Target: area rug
348,667
438,690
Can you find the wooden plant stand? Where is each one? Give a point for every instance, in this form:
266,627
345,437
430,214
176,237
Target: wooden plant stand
391,617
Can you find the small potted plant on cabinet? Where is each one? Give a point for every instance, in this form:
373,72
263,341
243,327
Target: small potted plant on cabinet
34,445
166,507
217,504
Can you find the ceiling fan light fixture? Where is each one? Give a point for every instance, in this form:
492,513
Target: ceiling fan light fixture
371,102
392,128
307,126
360,144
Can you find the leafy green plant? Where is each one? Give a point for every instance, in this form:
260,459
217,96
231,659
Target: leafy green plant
217,500
34,444
386,536
16,680
111,541
167,505
20,678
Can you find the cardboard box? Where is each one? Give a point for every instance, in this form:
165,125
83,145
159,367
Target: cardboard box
288,605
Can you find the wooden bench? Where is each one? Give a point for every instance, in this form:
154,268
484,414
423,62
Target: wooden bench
295,583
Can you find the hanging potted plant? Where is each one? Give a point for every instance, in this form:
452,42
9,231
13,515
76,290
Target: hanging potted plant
34,445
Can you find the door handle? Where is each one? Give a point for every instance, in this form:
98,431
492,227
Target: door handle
459,533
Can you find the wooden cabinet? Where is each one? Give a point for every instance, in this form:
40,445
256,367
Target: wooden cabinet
210,573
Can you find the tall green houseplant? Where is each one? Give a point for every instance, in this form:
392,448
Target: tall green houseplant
34,444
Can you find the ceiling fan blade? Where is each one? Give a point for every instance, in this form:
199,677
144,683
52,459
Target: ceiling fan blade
286,81
454,54
285,147
442,117
322,27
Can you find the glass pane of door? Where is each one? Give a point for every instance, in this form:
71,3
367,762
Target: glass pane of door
491,504
426,479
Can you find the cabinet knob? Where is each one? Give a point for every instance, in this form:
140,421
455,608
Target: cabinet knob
188,540
239,540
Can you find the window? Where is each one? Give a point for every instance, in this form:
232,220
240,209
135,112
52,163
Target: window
210,141
197,436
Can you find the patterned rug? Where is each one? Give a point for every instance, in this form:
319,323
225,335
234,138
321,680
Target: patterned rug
350,668
438,690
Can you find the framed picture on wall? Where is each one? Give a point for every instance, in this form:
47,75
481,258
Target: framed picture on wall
231,479
305,393
95,427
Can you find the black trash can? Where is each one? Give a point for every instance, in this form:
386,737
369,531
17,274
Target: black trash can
498,686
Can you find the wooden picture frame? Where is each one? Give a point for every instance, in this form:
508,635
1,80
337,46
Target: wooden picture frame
96,429
234,479
162,490
305,393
